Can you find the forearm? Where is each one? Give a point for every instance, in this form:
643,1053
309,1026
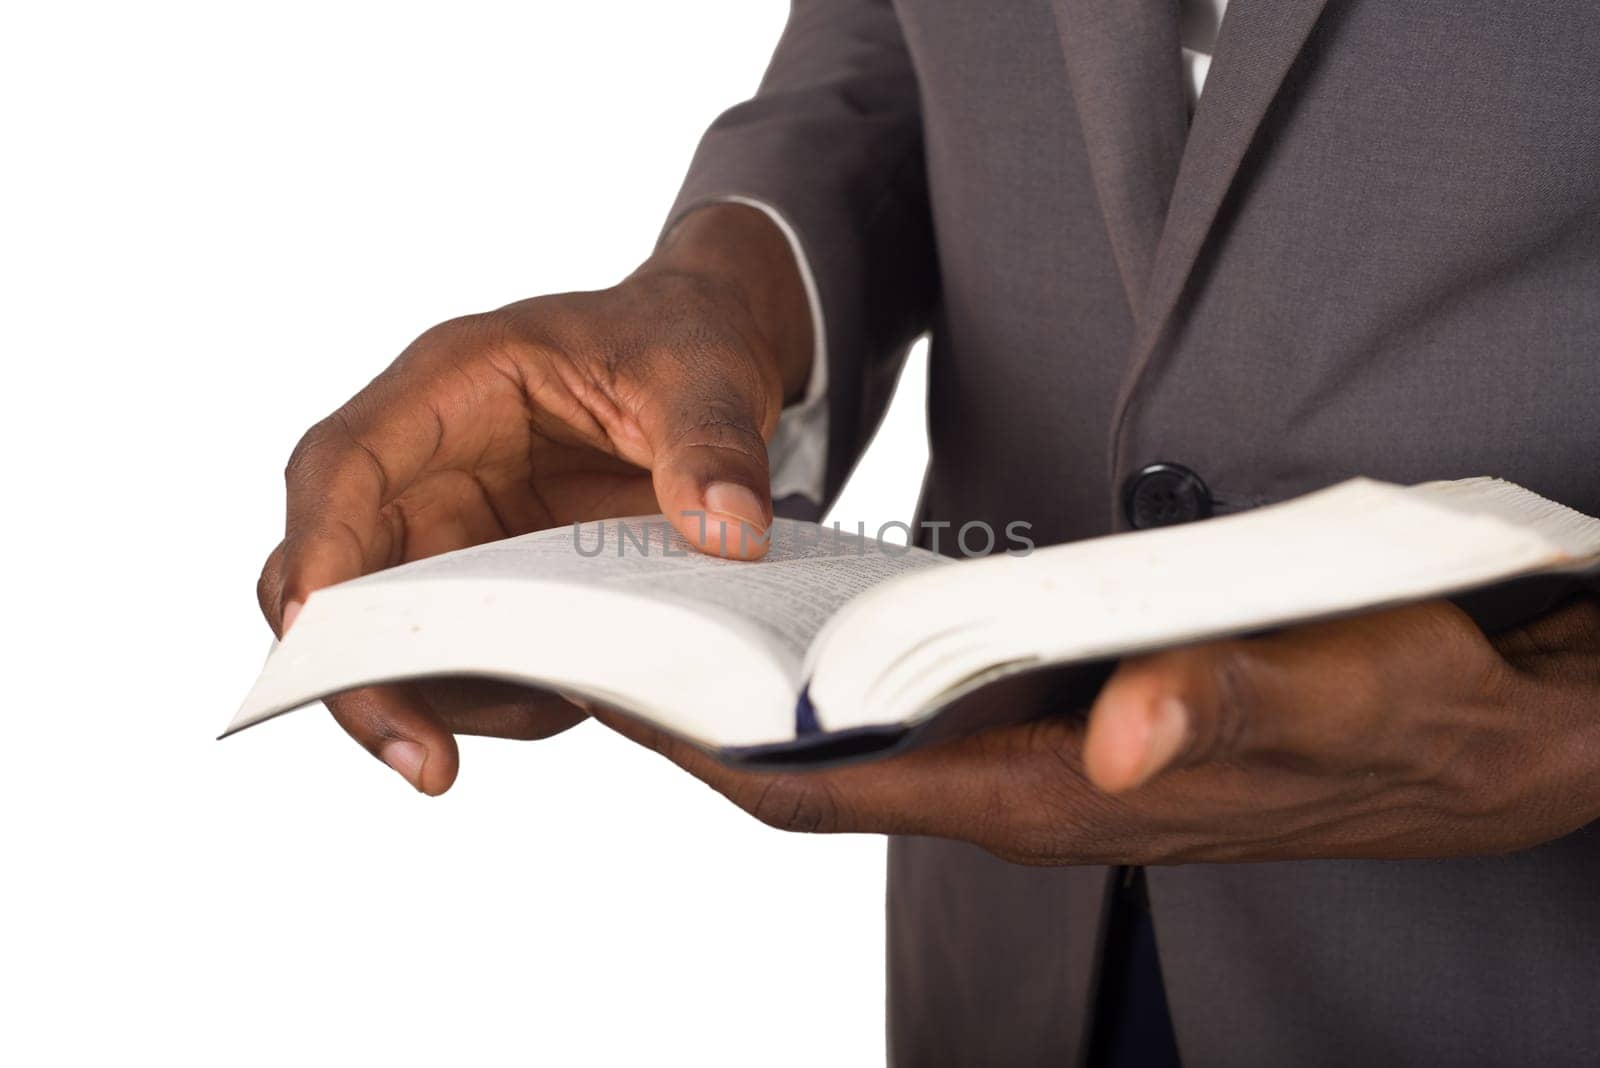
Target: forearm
741,253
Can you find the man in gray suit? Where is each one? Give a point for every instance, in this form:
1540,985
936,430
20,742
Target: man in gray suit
1366,242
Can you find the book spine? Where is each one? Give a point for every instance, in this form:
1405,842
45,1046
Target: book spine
805,714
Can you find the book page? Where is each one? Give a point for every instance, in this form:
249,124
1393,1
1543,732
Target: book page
809,571
901,651
623,612
1573,533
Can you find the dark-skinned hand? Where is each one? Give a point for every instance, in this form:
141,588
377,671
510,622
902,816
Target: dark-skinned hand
1404,733
657,395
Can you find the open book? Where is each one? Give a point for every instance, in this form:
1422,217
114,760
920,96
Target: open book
835,645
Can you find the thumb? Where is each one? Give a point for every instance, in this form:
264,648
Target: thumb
1217,701
1321,694
710,474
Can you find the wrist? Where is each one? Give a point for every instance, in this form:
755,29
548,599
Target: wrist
738,253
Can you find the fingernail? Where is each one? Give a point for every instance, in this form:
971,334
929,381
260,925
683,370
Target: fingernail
1169,728
290,611
407,758
732,499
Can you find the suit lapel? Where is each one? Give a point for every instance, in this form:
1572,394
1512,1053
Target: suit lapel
1126,74
1258,44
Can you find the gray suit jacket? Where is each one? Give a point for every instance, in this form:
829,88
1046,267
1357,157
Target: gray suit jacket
1375,250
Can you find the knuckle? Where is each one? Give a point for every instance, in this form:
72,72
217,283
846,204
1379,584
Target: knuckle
1233,675
468,356
438,353
312,446
473,331
268,585
724,426
794,803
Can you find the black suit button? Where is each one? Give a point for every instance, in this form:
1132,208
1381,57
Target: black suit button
1163,495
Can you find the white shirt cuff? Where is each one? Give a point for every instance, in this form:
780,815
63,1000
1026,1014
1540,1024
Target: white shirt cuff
798,452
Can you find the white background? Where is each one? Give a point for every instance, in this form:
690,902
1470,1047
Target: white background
216,222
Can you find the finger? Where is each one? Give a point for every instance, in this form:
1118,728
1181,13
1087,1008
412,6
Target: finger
1323,693
709,469
496,709
1017,791
933,791
394,724
340,478
1214,702
334,528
